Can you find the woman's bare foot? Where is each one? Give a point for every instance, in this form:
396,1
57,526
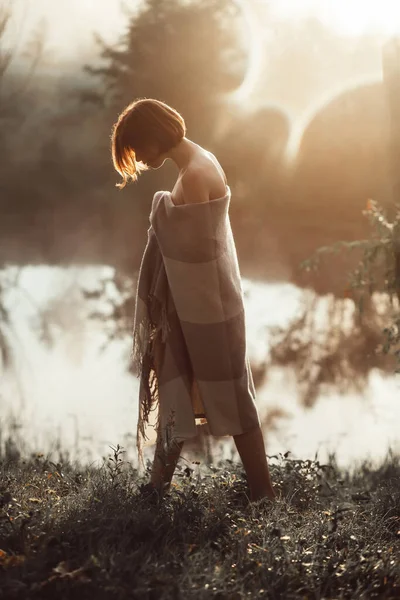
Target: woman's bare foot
270,495
250,446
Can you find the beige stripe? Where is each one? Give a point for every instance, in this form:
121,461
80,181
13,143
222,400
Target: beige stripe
205,292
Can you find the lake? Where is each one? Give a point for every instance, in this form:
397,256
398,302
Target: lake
67,393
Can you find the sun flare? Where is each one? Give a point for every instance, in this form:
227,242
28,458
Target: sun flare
253,22
348,17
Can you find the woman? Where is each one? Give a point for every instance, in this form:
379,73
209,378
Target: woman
146,134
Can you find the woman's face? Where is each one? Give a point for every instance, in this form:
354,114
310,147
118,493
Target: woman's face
150,156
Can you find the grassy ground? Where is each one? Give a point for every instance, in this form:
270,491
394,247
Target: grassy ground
94,533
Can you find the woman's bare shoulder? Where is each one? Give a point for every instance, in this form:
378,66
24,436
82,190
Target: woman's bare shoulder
218,166
203,180
195,186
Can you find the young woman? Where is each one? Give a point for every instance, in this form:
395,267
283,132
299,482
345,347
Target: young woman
146,134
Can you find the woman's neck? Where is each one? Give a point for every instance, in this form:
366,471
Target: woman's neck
183,153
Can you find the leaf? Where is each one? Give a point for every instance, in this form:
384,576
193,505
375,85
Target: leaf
61,568
15,560
11,560
370,204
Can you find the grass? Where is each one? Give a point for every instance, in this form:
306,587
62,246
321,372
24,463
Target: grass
68,531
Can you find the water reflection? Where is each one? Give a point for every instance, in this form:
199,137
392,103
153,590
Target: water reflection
63,388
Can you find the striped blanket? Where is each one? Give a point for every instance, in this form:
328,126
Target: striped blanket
189,337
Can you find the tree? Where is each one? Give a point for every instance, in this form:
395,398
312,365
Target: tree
11,92
10,121
344,351
187,54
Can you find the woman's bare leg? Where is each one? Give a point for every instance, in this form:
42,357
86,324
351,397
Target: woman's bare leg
250,446
164,465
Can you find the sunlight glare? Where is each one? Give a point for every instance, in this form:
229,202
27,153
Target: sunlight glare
347,17
254,33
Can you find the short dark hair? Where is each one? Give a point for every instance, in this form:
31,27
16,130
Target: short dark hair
143,122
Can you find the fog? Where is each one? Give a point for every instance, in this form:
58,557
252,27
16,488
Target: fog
291,97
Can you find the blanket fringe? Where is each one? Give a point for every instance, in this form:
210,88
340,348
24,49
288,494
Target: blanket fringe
164,324
145,335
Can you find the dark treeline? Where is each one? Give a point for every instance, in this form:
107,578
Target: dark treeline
58,200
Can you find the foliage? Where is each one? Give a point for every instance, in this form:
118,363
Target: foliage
339,354
383,245
360,330
10,96
83,532
381,259
184,53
